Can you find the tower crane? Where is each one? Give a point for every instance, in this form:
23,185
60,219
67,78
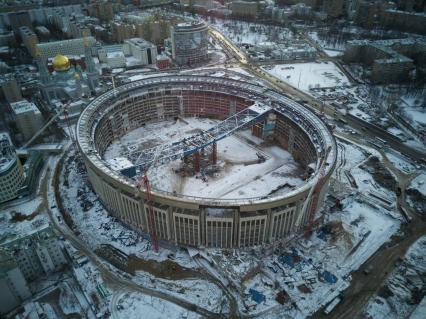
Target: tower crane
314,194
146,184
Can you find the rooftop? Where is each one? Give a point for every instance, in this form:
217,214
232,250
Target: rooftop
7,152
140,42
24,106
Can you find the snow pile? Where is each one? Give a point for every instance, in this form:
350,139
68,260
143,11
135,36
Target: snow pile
404,289
416,193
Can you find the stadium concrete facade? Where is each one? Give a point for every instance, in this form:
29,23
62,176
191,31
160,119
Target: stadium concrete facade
194,221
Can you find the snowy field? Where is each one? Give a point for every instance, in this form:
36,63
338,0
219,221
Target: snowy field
240,174
306,76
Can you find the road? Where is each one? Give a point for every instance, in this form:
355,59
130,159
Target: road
382,262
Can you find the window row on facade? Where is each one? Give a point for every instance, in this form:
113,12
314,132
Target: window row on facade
199,228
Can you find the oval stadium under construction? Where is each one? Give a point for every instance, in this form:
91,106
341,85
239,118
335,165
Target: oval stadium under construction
201,160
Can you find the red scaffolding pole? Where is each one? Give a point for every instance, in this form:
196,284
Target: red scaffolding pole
197,161
214,153
151,218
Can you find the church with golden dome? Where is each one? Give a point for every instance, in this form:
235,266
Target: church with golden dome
67,82
61,63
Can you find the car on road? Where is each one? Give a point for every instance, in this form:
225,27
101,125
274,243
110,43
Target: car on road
367,270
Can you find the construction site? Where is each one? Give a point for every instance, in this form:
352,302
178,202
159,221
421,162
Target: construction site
195,160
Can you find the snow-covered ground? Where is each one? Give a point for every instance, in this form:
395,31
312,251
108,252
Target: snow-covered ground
311,273
332,46
419,183
305,76
240,174
416,193
242,32
401,162
348,236
136,305
404,289
21,219
96,228
414,108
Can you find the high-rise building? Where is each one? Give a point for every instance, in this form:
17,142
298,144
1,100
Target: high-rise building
102,10
11,171
28,117
189,42
37,250
10,88
26,255
121,31
30,40
405,21
20,19
334,8
13,286
144,51
246,9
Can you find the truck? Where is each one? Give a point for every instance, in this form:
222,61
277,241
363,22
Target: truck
330,307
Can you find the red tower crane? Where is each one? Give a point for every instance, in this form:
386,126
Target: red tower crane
315,196
151,219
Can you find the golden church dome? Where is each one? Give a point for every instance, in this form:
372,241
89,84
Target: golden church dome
61,63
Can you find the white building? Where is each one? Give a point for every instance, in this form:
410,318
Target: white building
115,59
28,117
140,49
11,171
72,47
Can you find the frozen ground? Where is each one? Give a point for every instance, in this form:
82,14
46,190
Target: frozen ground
240,174
134,305
404,289
305,76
